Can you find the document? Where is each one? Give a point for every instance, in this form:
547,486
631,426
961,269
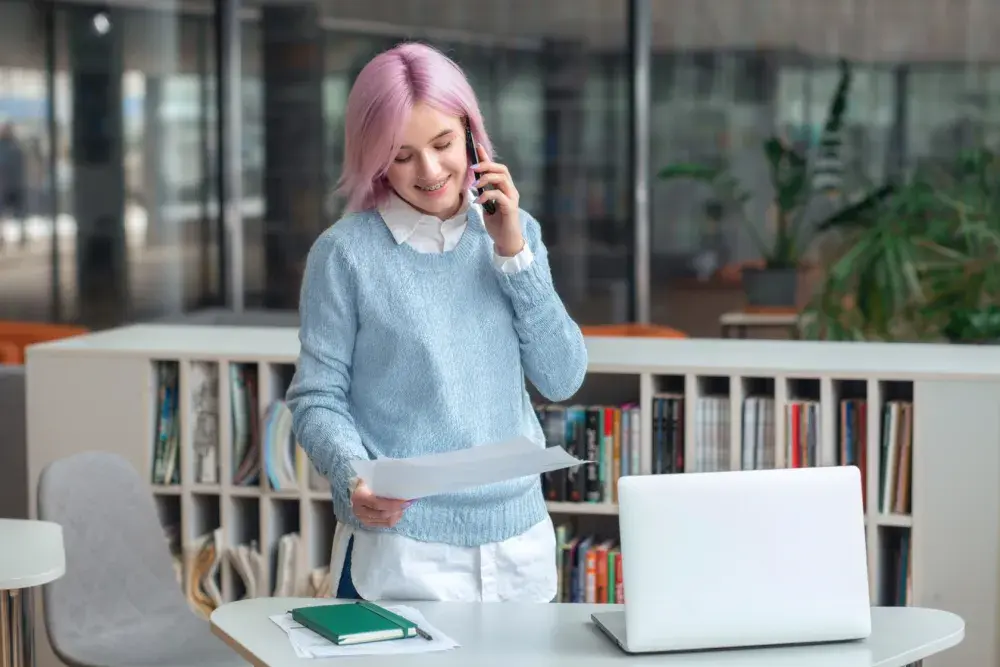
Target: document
421,476
308,644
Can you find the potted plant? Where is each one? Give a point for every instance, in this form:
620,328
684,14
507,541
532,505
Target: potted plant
920,265
797,182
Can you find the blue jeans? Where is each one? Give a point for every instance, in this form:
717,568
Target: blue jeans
345,587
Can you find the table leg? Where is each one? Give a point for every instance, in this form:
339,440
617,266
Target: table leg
17,639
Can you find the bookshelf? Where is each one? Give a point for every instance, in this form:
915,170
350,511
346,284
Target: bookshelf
665,406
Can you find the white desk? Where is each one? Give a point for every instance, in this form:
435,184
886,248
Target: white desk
562,635
31,554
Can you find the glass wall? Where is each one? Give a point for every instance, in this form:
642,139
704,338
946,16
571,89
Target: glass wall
107,147
728,74
109,140
552,82
25,148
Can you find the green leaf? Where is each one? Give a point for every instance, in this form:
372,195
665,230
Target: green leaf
859,213
789,174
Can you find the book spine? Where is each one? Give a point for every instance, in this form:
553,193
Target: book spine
592,435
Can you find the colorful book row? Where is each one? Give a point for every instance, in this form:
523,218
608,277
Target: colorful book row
589,568
606,435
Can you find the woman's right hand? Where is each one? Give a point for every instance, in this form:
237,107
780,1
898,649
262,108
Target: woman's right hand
374,511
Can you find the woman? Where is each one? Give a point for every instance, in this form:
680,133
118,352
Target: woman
421,317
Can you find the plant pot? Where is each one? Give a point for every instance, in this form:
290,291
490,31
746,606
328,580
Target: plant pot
770,288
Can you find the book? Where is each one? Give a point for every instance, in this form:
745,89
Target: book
354,623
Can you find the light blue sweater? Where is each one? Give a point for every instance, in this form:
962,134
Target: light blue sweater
406,353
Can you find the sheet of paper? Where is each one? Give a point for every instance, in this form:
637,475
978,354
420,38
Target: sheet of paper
447,472
308,644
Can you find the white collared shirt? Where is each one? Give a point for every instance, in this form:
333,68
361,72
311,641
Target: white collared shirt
387,566
428,233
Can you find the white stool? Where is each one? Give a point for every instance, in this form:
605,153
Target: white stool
31,554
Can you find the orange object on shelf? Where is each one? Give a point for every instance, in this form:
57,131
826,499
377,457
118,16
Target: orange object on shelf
15,336
10,354
633,330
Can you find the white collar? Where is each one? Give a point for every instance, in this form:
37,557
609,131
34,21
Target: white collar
402,219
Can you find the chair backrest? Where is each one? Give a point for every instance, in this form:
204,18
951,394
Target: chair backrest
118,563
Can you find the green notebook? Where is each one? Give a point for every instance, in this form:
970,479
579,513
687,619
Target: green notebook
354,623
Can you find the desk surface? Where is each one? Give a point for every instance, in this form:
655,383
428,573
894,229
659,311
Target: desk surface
562,635
31,553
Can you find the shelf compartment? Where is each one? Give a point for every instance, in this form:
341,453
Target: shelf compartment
895,585
667,419
804,445
589,564
201,392
283,546
708,445
320,531
203,554
895,451
284,463
168,509
604,425
757,436
165,430
851,427
204,517
244,423
245,571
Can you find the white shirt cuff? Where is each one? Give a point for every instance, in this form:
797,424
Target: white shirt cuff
518,262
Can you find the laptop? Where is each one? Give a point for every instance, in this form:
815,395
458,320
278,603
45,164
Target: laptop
741,559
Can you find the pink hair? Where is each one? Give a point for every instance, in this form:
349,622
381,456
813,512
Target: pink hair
378,107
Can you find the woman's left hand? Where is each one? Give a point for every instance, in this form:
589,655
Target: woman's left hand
504,226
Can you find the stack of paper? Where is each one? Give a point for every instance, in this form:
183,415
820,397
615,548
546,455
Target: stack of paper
308,644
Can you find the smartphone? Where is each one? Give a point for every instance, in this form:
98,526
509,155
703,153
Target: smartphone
489,205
